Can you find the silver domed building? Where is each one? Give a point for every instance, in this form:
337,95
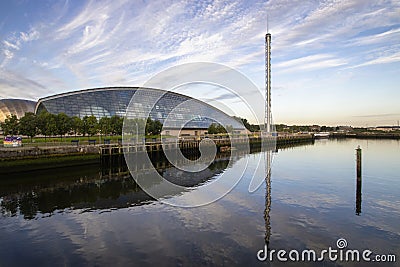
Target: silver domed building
16,107
110,101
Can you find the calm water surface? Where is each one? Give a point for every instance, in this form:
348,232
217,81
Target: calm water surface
92,217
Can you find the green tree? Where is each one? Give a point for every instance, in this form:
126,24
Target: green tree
63,124
135,126
212,129
247,125
220,129
229,128
153,127
157,127
116,125
10,125
76,124
216,128
28,125
89,125
105,125
47,124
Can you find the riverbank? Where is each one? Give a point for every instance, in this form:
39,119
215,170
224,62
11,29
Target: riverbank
19,159
366,135
18,153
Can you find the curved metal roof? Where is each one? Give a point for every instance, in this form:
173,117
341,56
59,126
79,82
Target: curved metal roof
62,99
16,107
118,88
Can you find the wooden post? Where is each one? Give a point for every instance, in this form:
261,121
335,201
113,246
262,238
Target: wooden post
358,162
359,182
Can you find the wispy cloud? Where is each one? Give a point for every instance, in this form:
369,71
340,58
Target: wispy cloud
386,36
378,115
384,59
310,62
12,85
105,43
10,45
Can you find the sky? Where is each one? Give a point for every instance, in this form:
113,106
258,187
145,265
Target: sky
333,62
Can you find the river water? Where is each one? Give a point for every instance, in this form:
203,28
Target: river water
91,216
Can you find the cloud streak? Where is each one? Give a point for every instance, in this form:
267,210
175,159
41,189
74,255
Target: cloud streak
110,43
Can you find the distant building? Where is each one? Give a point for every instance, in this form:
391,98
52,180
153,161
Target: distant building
16,107
315,128
345,129
387,128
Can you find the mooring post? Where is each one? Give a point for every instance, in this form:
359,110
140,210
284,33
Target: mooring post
359,182
358,150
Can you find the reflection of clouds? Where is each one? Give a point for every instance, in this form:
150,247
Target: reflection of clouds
393,205
128,235
169,233
300,228
229,231
313,200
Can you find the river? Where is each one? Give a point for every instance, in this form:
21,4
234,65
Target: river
92,216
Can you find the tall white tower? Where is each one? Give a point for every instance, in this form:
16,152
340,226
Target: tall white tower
268,117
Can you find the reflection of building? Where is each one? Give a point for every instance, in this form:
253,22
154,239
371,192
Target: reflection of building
106,102
83,188
16,107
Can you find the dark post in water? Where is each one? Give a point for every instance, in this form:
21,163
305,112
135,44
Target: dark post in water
358,162
358,190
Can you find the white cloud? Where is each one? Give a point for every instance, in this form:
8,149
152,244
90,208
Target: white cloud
318,61
10,45
105,43
14,85
30,36
380,60
392,35
8,54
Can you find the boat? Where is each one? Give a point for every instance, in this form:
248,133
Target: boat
322,135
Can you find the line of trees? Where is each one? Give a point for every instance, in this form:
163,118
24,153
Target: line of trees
48,124
216,128
250,127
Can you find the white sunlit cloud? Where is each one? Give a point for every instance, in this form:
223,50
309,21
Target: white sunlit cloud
310,62
114,43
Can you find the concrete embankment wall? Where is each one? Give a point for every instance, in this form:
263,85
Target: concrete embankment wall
37,152
50,151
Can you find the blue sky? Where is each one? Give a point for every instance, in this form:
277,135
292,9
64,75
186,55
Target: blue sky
333,62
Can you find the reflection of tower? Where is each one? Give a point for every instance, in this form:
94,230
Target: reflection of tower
267,160
267,118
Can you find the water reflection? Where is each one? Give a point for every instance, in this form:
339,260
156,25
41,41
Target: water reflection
267,160
358,196
313,206
105,186
108,185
